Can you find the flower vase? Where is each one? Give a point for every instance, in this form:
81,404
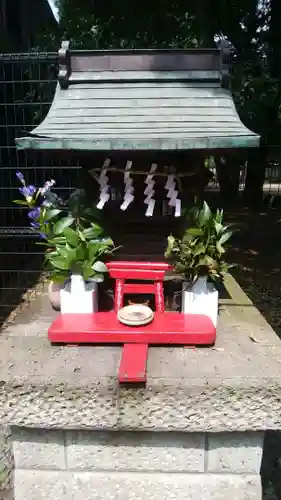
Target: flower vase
54,290
79,297
201,298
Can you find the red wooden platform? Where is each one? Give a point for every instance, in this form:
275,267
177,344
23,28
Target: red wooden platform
104,328
167,328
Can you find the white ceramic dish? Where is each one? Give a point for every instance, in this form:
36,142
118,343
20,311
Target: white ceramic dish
135,315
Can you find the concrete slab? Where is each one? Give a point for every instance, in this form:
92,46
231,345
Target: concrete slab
234,386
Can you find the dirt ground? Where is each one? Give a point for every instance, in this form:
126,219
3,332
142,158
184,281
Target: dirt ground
257,254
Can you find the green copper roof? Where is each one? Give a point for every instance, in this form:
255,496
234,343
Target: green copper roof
127,101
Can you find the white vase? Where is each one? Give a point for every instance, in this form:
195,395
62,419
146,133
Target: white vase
79,297
201,298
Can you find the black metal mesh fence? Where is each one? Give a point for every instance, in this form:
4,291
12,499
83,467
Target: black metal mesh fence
27,85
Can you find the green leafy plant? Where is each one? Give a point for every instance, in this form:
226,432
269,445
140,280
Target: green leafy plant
69,229
201,249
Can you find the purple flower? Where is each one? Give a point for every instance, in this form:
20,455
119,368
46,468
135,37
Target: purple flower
34,214
36,225
47,186
20,176
32,189
27,191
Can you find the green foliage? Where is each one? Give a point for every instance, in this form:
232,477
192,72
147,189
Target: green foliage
76,240
73,250
69,229
127,24
201,248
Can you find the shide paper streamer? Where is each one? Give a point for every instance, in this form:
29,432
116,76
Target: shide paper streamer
104,185
129,188
172,195
172,191
149,191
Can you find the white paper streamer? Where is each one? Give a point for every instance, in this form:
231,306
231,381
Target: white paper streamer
127,200
128,183
103,200
150,208
178,208
129,188
172,195
170,184
149,191
104,186
173,198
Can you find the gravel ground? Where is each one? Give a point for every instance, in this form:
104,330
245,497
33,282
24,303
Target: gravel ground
271,467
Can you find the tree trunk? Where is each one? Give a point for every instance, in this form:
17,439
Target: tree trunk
204,15
228,176
274,39
253,194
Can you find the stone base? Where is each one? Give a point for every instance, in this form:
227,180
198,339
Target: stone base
6,464
84,465
194,432
35,485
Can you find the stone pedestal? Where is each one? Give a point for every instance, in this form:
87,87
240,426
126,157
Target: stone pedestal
126,465
195,432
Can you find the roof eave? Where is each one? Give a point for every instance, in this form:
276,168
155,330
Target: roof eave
77,69
71,144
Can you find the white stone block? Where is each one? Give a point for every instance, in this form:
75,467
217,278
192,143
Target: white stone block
136,451
41,485
49,485
41,449
235,452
